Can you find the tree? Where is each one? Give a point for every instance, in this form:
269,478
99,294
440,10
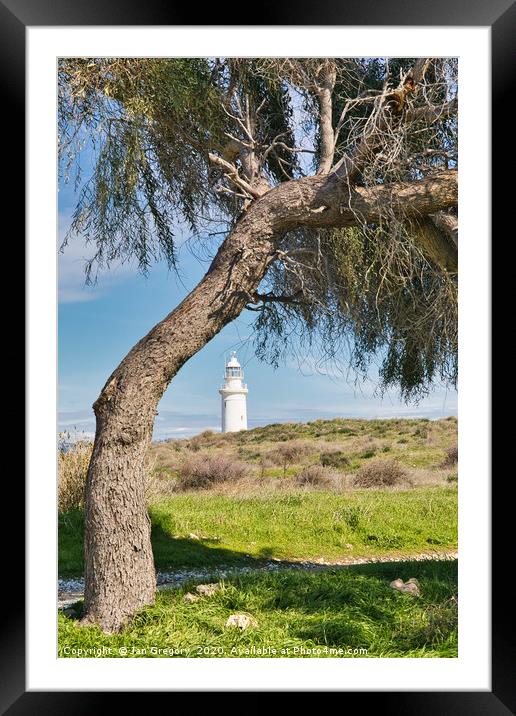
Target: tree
335,184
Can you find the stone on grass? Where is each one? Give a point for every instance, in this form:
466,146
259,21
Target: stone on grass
191,598
411,586
241,621
207,590
397,584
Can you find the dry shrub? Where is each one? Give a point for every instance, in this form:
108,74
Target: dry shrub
334,458
380,473
72,470
159,486
204,470
166,456
452,457
290,453
317,476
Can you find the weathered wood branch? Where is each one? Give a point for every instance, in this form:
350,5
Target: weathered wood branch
448,224
392,107
324,93
231,172
432,113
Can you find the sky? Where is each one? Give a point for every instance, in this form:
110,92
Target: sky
98,325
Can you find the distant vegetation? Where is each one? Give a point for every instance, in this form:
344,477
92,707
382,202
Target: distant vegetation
322,490
72,464
337,455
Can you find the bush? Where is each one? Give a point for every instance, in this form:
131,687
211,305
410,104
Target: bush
161,484
317,476
452,456
204,470
334,458
290,453
380,473
72,467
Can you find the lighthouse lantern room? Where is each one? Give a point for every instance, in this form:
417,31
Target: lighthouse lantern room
234,397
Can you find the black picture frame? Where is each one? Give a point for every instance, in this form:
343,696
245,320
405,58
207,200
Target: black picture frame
500,16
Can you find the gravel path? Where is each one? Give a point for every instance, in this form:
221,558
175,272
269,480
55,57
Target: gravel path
71,590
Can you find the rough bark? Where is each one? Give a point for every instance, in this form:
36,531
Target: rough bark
119,569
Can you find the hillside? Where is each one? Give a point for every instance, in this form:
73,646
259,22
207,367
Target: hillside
425,450
326,490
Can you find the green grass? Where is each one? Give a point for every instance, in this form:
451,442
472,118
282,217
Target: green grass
240,529
352,608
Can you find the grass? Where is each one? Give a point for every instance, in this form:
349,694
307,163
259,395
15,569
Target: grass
298,614
238,529
266,515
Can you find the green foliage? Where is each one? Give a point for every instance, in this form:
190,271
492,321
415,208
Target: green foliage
369,294
152,123
148,121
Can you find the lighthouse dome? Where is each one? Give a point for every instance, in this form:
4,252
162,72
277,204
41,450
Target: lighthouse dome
233,361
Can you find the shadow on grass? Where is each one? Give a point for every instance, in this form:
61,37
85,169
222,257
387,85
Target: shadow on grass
169,552
356,607
180,552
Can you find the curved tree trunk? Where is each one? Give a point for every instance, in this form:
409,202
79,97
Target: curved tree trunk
119,569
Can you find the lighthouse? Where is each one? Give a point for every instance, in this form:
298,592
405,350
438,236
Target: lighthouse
234,397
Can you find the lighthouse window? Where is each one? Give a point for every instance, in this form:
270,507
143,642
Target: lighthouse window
234,372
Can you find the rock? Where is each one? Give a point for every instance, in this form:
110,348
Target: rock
191,598
397,584
207,590
411,586
193,536
242,621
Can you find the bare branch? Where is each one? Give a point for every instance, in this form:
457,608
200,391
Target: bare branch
233,175
448,224
390,112
324,93
431,114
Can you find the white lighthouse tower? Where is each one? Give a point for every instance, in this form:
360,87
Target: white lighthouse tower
234,397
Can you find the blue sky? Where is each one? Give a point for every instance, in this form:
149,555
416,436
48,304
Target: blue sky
99,324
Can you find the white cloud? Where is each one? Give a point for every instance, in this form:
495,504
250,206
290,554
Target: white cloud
71,269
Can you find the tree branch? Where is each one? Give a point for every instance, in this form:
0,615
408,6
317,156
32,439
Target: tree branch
232,174
324,93
432,113
435,243
275,298
390,107
448,224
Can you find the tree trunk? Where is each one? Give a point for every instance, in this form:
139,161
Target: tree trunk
119,569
